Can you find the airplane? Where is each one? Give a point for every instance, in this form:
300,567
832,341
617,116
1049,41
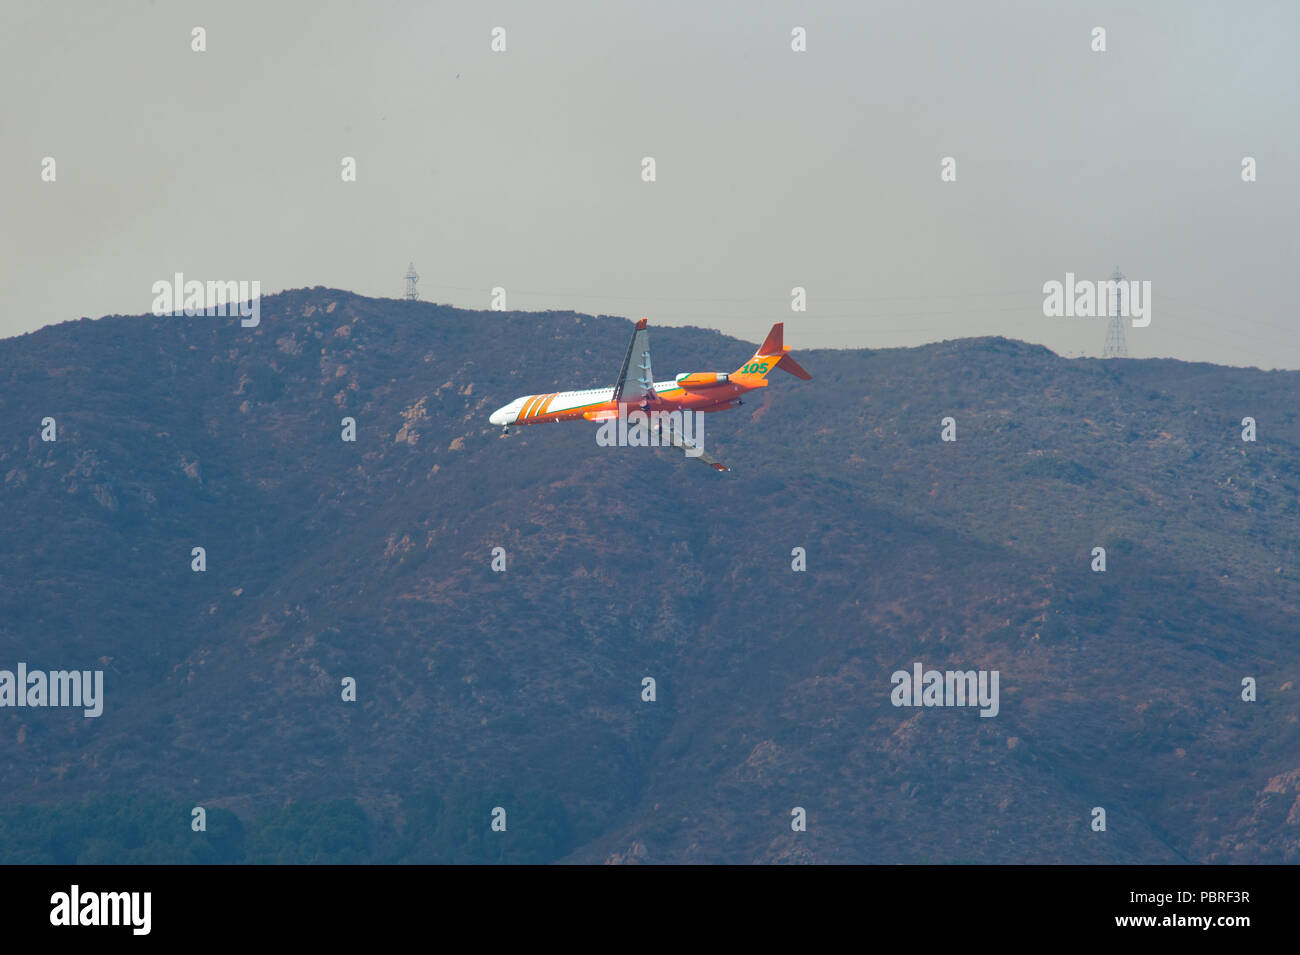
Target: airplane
636,388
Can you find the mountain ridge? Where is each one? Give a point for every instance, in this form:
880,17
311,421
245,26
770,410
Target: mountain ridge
373,561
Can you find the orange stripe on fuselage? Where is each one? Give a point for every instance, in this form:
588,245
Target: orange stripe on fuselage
528,408
535,407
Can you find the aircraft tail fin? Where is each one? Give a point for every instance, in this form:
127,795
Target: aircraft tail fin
772,344
773,353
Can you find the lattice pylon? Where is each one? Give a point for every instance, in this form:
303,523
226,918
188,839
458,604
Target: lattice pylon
1116,346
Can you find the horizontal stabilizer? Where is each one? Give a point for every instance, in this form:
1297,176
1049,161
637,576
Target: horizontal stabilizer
787,363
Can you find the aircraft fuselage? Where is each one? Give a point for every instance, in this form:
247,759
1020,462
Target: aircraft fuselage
597,404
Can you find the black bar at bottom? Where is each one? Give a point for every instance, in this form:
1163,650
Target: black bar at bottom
602,904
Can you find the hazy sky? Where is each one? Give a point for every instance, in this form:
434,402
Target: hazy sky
775,168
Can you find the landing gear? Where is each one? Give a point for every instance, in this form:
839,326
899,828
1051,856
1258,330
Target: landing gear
505,429
739,402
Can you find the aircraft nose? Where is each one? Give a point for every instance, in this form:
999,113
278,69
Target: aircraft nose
509,414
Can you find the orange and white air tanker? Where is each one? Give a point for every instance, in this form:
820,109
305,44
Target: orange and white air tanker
636,389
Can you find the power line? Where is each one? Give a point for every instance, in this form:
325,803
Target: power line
741,301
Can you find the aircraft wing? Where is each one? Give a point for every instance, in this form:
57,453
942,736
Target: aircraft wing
635,380
691,450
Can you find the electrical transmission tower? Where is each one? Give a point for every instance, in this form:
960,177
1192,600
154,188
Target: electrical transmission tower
412,293
1116,346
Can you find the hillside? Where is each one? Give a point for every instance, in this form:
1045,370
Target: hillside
372,560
